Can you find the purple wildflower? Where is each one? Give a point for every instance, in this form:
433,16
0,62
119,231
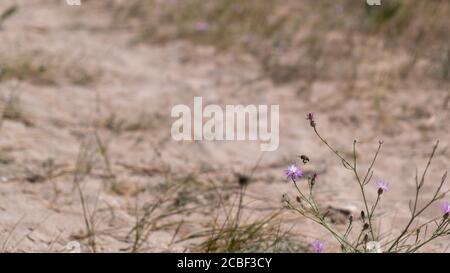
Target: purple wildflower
202,26
293,172
445,207
318,246
382,186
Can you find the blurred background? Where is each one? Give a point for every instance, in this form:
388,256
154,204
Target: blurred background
86,92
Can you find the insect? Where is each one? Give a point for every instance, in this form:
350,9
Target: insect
304,159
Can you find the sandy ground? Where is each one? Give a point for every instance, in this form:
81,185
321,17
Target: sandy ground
126,107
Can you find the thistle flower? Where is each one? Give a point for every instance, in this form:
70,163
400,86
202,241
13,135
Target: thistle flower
318,246
382,186
445,207
293,172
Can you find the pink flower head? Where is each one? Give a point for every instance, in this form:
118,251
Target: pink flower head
381,185
318,246
202,26
445,207
293,172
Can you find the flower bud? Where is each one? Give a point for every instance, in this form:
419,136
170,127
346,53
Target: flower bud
380,191
243,180
312,180
310,117
366,226
366,238
314,177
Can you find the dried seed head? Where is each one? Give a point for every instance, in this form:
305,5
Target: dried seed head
298,199
350,219
363,216
446,216
366,226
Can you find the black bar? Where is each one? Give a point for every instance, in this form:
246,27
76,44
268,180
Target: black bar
228,262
